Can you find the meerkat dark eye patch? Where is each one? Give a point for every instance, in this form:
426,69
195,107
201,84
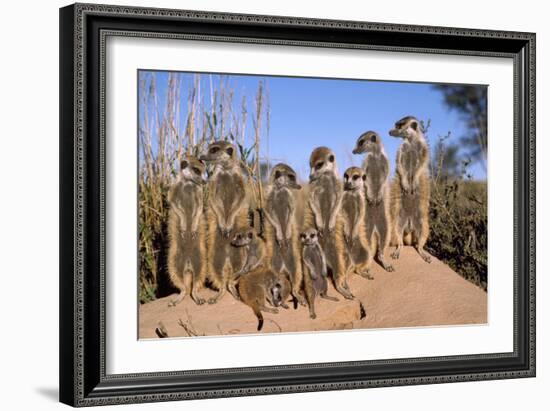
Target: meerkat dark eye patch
414,125
355,177
373,138
364,177
302,236
229,151
250,235
361,142
197,171
319,165
184,164
312,235
277,174
292,177
346,177
331,158
214,150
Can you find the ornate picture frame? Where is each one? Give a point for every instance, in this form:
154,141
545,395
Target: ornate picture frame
84,29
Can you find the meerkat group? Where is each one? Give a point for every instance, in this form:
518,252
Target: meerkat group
346,224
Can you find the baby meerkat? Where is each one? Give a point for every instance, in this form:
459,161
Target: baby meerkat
226,213
378,222
281,230
325,199
261,287
315,279
254,248
186,231
411,187
352,217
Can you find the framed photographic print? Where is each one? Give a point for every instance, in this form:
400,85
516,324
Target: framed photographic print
262,204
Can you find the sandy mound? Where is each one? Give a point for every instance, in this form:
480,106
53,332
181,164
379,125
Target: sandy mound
416,294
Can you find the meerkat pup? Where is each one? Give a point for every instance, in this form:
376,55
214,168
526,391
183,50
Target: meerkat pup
226,212
352,217
281,228
186,231
261,287
378,222
411,187
325,199
254,248
315,263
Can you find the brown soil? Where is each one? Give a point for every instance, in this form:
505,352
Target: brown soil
416,294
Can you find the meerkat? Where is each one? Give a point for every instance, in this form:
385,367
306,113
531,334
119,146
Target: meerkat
254,248
378,221
281,229
186,231
352,217
261,287
226,213
411,187
314,260
325,198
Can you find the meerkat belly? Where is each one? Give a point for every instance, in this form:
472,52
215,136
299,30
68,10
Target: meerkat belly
186,199
376,176
230,189
326,196
351,209
282,212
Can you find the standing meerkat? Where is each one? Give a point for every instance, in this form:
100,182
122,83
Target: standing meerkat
315,279
411,187
261,287
352,218
325,198
226,213
186,231
378,222
281,229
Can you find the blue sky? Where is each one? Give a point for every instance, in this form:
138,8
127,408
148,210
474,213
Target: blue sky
308,112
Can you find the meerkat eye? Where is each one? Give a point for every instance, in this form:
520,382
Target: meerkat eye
361,142
319,165
355,177
291,177
277,174
364,177
414,125
229,151
197,171
331,158
312,235
214,150
184,164
346,177
250,235
302,236
373,138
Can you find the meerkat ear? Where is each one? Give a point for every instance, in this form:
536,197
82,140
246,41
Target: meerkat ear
331,158
229,151
184,164
414,126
